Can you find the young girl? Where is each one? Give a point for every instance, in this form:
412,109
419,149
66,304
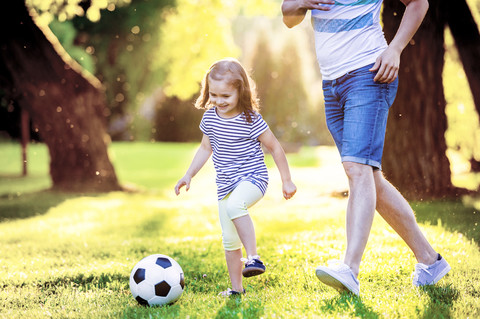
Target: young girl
234,131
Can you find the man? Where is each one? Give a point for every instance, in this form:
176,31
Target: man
359,71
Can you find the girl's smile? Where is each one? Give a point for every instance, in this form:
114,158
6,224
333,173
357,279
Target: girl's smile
224,97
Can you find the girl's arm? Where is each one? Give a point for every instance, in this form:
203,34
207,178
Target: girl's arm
200,158
388,62
294,11
273,146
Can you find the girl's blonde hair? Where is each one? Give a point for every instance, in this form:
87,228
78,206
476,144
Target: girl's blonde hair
231,70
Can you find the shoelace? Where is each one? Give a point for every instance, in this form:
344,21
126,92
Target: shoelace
229,292
419,268
337,264
250,260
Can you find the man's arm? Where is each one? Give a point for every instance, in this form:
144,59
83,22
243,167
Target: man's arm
388,62
294,11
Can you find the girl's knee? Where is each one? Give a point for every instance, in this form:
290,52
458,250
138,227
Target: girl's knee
236,209
231,240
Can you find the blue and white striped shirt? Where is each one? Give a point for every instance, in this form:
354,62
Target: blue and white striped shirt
348,37
237,152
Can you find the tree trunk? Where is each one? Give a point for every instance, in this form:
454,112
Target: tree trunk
415,158
467,39
25,138
65,105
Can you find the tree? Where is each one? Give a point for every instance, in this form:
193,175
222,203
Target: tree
66,104
163,44
467,39
415,150
278,75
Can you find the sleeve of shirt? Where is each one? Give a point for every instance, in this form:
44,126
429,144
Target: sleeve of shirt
203,126
258,126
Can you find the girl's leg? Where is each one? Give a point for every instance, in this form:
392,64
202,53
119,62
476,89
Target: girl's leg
244,196
232,245
246,232
235,265
231,239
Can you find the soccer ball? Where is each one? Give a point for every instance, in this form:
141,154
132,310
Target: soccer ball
156,280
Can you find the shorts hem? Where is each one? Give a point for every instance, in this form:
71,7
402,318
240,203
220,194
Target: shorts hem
360,160
231,249
241,215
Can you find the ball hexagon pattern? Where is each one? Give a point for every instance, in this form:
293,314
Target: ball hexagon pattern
156,280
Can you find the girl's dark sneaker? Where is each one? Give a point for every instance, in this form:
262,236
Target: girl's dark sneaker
253,266
231,293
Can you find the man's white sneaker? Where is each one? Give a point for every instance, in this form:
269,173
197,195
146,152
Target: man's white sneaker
430,274
339,276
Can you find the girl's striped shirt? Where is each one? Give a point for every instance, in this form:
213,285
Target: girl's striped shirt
237,152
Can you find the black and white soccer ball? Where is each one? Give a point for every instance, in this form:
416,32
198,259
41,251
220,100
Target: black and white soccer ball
156,280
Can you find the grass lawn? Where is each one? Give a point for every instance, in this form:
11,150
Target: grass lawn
70,255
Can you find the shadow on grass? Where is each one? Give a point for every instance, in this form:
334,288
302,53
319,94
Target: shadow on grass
441,301
460,216
237,307
25,205
348,303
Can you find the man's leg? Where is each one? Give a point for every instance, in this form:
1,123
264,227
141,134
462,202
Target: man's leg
396,211
360,212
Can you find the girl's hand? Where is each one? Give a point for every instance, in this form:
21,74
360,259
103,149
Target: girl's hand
184,181
289,189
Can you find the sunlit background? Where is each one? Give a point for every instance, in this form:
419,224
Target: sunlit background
68,254
150,58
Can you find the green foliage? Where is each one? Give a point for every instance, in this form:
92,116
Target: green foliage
68,9
279,64
281,91
66,34
202,36
196,34
124,44
73,259
151,44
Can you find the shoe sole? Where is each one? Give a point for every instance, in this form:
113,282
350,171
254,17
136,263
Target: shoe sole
443,273
250,272
333,282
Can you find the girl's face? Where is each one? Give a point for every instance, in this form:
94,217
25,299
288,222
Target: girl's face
224,97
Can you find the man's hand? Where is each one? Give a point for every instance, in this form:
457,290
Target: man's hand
386,66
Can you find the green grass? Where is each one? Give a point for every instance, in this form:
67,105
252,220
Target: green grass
70,256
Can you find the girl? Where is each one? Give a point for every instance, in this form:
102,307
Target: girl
234,131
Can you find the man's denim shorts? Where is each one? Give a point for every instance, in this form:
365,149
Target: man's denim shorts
356,110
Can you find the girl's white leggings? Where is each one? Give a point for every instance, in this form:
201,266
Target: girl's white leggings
235,205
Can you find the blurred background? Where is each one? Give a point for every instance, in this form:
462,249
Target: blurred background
147,59
151,56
